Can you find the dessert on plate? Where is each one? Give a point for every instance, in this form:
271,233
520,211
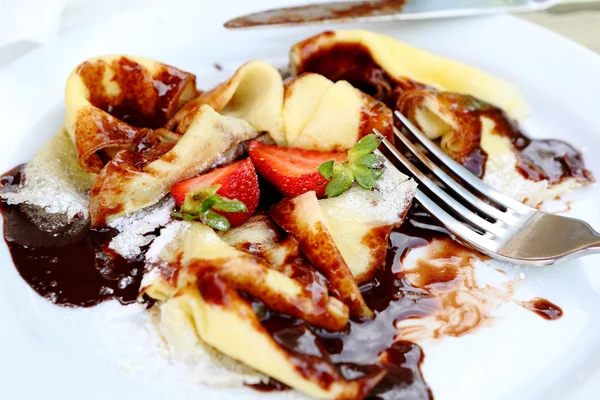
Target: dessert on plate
258,220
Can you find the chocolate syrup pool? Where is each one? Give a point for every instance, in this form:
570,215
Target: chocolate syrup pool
79,270
70,269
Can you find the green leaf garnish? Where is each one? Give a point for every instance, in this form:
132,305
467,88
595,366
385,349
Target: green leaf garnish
361,166
206,204
183,216
341,181
326,169
364,177
199,205
366,145
216,221
370,161
228,205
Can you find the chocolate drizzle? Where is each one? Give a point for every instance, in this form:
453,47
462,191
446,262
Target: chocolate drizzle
543,308
353,62
367,347
80,270
143,101
71,268
537,160
336,11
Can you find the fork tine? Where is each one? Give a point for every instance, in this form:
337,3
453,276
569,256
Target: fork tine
455,186
464,212
462,172
460,230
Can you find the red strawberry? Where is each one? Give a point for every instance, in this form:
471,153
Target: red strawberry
238,181
292,171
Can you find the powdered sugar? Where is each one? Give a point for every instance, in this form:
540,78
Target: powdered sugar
167,235
134,229
501,174
178,337
54,180
202,363
127,341
384,205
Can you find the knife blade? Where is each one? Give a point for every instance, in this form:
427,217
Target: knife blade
382,10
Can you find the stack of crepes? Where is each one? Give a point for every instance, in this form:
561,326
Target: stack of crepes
139,126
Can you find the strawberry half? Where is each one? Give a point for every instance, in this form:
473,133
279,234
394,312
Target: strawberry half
292,171
236,181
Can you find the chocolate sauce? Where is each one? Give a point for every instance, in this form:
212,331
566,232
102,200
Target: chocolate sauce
549,159
333,11
71,268
367,347
537,160
142,102
543,308
271,385
80,270
354,63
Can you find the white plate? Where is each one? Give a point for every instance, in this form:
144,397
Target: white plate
52,352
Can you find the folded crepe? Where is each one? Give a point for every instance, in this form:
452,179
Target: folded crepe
380,64
254,93
109,101
311,112
322,115
196,274
484,139
133,180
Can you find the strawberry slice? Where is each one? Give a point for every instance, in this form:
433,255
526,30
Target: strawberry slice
235,181
292,171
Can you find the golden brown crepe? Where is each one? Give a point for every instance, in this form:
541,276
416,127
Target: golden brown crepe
196,274
110,99
254,93
362,237
322,115
377,61
486,141
472,113
312,112
303,219
129,182
451,117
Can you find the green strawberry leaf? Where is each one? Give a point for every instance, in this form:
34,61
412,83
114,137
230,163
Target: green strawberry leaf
364,176
184,216
216,221
228,205
361,165
207,203
366,145
341,181
370,161
199,205
377,173
326,169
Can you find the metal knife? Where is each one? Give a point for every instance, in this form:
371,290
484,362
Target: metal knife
383,10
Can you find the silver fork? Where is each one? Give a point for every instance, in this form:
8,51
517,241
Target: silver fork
510,231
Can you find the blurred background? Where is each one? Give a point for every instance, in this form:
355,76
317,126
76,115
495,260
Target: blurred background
27,24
